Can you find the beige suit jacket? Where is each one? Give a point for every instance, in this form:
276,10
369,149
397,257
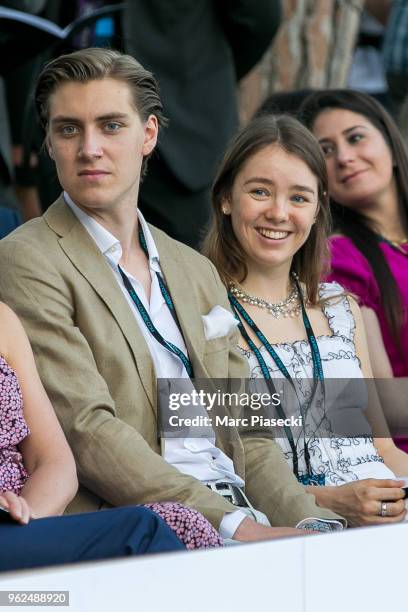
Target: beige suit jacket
98,372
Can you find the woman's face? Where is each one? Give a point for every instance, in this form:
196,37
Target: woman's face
359,161
273,205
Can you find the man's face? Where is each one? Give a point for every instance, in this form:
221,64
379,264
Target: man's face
98,142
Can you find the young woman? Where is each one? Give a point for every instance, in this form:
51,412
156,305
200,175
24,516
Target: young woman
38,480
367,167
268,241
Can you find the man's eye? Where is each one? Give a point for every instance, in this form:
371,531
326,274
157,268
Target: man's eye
69,130
112,126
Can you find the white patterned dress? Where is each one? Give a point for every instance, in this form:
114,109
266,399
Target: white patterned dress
342,459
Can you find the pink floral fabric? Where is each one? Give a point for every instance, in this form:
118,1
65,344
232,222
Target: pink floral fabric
189,525
13,429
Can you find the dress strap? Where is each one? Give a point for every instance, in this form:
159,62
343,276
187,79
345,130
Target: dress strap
337,310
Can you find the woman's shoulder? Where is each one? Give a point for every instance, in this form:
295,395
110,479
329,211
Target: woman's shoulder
331,289
343,243
348,265
343,247
339,307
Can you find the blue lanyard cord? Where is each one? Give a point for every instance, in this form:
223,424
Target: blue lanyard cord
318,374
314,348
237,308
162,284
145,315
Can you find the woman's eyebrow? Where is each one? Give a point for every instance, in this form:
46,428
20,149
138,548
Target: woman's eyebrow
259,179
354,127
303,188
346,131
266,181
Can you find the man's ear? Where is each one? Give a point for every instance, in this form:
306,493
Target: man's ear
49,148
151,131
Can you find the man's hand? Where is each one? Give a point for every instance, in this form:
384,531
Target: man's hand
17,506
249,531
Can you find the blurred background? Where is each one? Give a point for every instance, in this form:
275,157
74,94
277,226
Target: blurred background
216,63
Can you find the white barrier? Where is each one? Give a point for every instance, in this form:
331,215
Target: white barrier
354,571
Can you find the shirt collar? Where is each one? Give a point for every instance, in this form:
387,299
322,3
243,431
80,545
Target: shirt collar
108,244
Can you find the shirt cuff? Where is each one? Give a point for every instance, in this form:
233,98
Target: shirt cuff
316,524
230,523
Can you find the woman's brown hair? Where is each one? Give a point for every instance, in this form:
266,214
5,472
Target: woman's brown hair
221,245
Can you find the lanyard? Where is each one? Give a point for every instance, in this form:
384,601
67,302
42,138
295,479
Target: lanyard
318,374
145,315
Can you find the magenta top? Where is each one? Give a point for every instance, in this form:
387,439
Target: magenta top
351,269
13,429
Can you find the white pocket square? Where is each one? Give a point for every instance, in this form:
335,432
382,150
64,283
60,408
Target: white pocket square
218,323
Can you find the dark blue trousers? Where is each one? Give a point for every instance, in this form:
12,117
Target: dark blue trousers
107,534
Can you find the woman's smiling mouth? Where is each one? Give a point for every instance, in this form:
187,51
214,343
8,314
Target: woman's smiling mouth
272,234
352,176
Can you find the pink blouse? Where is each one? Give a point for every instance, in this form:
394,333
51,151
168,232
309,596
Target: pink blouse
351,269
13,429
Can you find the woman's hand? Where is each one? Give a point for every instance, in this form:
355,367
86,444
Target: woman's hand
360,501
17,506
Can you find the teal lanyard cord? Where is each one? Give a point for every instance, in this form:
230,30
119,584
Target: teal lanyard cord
145,315
318,374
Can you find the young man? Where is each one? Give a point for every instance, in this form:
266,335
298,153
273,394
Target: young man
91,295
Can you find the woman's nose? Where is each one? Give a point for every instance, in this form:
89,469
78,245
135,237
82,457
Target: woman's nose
278,210
345,154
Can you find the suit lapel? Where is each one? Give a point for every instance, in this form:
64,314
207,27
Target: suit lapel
84,254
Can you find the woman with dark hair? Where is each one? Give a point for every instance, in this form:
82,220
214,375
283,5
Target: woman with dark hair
268,241
38,480
367,167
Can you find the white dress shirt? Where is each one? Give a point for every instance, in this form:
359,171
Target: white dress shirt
197,457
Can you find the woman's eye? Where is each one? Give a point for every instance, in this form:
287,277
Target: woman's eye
259,192
69,130
355,138
299,199
327,149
